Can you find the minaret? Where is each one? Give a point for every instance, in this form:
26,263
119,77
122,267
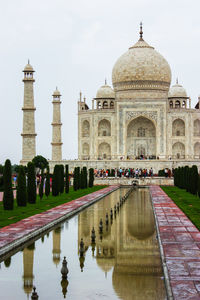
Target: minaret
28,134
56,245
28,256
56,128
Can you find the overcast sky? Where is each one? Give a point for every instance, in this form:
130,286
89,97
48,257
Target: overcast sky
74,45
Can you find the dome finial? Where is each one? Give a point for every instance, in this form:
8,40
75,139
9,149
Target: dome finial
176,80
28,61
105,81
141,32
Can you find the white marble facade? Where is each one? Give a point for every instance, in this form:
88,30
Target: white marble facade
141,116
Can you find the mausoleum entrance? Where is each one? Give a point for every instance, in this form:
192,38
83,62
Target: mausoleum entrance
141,138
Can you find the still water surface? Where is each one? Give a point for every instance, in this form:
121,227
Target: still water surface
124,263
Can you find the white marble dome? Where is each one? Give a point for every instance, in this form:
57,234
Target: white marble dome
105,91
177,91
141,67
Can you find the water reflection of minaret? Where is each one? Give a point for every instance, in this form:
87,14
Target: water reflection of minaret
28,256
56,245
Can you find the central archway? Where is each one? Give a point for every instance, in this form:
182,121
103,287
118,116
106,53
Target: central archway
141,138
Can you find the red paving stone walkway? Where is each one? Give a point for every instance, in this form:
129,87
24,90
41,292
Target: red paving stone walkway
10,234
181,244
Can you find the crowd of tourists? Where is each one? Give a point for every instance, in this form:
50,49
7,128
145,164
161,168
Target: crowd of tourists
130,172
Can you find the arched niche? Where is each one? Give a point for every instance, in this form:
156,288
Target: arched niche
105,104
177,104
197,127
104,128
171,104
111,104
197,150
86,150
178,150
85,129
141,138
178,127
104,151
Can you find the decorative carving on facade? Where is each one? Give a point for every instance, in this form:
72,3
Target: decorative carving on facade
149,114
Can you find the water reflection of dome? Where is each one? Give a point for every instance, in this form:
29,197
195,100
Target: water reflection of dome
129,287
140,221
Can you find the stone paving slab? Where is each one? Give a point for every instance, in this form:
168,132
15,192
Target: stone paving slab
11,233
181,245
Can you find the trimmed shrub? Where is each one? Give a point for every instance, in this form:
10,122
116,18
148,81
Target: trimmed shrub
47,183
66,179
85,177
62,177
56,181
194,181
78,174
199,186
21,188
91,177
82,180
31,184
41,187
8,199
75,179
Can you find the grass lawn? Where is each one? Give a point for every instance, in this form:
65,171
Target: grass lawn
18,213
187,202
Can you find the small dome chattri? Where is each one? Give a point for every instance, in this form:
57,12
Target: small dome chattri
105,91
177,91
56,92
28,68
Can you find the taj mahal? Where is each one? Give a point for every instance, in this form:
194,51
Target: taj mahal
142,121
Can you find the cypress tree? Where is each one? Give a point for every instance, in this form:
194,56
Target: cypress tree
91,177
85,177
31,184
78,182
195,179
199,186
82,181
21,188
41,187
66,179
56,181
47,184
62,177
75,179
8,199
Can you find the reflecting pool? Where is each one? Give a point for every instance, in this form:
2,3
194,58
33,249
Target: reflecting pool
123,263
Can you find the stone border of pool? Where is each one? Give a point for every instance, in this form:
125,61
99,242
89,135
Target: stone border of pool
15,235
179,243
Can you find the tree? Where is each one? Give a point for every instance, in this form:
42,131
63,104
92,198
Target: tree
194,180
31,184
47,184
85,177
78,176
21,188
82,180
199,186
62,182
75,179
55,181
91,177
66,179
40,162
41,187
8,199
1,169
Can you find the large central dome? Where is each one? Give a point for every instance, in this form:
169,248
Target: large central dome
141,68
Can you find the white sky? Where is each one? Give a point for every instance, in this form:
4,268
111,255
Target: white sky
74,45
